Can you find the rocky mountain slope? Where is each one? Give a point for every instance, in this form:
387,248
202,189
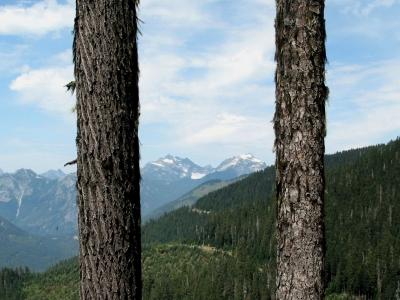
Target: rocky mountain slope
46,204
38,204
170,177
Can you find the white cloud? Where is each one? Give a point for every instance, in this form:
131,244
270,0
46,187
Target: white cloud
225,104
231,129
225,72
45,88
213,93
372,19
366,128
10,57
368,104
223,128
38,19
176,13
376,4
365,7
248,56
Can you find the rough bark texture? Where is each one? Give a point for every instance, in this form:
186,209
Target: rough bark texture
106,72
300,131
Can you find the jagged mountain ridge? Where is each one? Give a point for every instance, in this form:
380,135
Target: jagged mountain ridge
46,204
170,177
53,174
37,204
176,167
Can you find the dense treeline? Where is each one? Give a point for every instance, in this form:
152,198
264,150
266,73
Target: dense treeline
362,224
224,246
171,271
11,281
59,282
190,272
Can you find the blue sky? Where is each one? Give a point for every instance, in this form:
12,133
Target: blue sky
206,85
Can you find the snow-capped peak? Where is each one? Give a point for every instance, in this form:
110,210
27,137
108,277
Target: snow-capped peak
243,164
250,157
169,160
54,174
196,175
174,167
170,168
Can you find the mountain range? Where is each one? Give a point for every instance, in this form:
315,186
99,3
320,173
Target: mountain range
362,232
37,204
223,245
170,177
45,204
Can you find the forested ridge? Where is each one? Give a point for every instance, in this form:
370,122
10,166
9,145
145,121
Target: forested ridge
224,246
362,224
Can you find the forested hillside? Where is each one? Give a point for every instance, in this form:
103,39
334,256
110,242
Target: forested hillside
191,197
362,224
223,247
171,271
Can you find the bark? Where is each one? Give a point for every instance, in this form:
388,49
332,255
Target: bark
299,124
106,73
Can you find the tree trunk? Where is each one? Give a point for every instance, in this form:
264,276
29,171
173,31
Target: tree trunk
106,72
299,124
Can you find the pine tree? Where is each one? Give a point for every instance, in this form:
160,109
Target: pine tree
106,73
299,124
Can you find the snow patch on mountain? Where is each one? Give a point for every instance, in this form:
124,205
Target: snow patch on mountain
157,164
242,164
172,168
197,175
19,202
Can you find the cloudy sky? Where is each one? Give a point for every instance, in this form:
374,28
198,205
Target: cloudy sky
207,89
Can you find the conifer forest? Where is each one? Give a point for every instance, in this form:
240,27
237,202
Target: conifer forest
318,217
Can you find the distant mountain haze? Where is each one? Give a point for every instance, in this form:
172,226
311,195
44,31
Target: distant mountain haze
170,177
54,174
19,248
191,197
45,204
38,204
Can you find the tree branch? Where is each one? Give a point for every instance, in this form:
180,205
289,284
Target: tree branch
71,163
